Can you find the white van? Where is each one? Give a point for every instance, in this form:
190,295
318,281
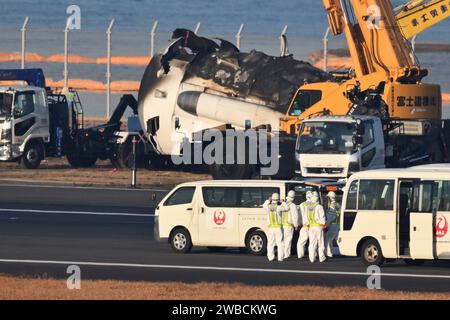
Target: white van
397,213
220,214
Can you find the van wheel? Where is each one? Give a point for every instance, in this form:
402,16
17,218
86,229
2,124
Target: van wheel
180,240
32,156
256,243
412,262
371,253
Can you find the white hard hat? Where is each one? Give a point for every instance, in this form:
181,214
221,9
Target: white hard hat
291,194
331,195
275,197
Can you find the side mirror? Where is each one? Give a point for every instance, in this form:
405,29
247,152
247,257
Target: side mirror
177,123
358,140
360,128
153,126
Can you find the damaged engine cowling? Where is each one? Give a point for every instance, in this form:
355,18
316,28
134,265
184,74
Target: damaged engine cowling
198,84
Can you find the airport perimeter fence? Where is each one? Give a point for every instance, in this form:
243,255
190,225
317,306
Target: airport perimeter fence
92,51
89,54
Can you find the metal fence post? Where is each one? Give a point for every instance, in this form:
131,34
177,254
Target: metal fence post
24,37
66,55
197,27
108,69
283,44
238,36
325,49
152,38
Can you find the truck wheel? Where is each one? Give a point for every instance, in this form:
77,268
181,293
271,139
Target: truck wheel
231,172
32,156
371,253
81,161
180,240
256,243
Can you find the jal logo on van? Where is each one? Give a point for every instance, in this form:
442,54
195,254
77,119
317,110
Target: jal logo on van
219,217
441,226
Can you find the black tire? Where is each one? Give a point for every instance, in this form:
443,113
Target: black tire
180,240
81,161
122,157
32,156
217,249
256,243
415,263
231,172
371,253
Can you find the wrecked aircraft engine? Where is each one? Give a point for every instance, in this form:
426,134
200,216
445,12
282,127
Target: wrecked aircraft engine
199,84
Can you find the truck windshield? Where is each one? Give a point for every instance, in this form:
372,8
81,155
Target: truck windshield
326,138
5,104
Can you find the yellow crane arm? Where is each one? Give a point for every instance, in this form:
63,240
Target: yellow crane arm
417,16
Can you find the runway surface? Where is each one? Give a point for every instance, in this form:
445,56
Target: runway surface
109,234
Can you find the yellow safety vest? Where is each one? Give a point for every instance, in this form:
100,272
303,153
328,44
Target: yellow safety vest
285,217
273,216
336,208
311,212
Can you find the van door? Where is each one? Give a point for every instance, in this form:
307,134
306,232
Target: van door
421,220
218,217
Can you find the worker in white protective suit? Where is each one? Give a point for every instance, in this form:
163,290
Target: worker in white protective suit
317,224
333,221
304,231
289,222
275,231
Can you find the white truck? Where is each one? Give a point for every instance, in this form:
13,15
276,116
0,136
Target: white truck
36,122
338,146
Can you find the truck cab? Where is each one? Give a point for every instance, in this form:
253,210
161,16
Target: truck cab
328,146
24,123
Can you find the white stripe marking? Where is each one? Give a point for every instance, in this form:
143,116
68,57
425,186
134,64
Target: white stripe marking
80,187
78,212
208,268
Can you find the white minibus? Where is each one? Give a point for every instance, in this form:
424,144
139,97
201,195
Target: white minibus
397,214
221,214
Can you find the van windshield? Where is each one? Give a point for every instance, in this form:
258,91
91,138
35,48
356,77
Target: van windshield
5,104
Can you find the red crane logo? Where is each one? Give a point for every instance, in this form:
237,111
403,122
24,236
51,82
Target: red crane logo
441,226
219,217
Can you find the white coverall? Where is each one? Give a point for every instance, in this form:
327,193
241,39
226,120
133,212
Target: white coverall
304,231
275,232
316,221
290,224
333,216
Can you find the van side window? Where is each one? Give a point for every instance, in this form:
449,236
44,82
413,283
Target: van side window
425,196
444,204
183,195
255,197
235,197
352,197
376,195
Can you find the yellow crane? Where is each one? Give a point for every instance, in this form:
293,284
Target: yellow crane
416,16
381,57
